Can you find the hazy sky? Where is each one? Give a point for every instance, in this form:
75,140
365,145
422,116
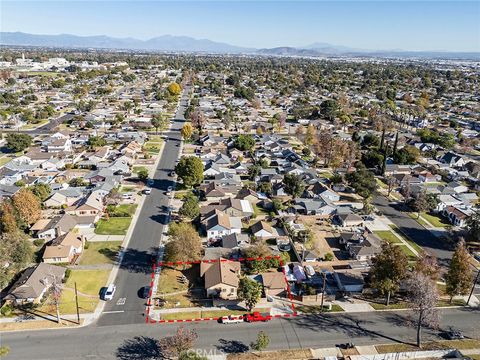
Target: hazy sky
408,25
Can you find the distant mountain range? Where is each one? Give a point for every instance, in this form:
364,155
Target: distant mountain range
161,43
170,43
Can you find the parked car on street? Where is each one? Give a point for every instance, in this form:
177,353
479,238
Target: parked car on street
256,316
109,292
232,319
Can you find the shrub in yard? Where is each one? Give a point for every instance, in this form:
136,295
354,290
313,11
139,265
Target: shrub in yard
68,272
38,242
6,310
328,257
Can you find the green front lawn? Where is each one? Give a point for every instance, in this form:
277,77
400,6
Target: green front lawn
153,147
435,220
4,160
113,226
388,236
89,282
124,210
415,217
136,169
315,309
405,305
100,252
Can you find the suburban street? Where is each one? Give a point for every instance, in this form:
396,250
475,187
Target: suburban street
135,341
411,228
127,307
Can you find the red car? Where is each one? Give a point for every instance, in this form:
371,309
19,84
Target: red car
256,316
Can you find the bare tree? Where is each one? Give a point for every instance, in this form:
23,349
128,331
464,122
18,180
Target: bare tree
423,297
56,291
183,340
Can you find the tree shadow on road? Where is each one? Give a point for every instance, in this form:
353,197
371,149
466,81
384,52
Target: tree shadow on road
348,324
231,346
139,261
140,347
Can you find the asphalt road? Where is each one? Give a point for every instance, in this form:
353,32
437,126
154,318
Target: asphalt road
127,306
414,230
137,341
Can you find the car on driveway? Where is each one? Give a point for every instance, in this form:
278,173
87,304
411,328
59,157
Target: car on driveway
109,292
147,191
169,190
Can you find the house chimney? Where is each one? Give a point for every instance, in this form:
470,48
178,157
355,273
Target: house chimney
57,231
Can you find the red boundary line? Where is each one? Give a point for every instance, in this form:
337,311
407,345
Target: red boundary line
176,263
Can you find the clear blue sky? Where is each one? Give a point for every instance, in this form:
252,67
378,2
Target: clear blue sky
388,24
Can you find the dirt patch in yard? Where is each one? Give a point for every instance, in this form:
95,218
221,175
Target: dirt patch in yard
322,235
294,354
37,324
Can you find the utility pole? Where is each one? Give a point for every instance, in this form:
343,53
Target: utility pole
323,289
473,287
76,303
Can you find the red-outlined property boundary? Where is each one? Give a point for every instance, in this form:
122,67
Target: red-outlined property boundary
148,320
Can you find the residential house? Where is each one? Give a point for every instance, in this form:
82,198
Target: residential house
64,249
221,278
274,283
452,159
235,241
34,283
91,205
51,228
458,216
314,207
348,220
457,187
237,207
219,224
59,145
349,281
262,229
249,195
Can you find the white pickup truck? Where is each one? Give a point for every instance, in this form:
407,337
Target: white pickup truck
231,319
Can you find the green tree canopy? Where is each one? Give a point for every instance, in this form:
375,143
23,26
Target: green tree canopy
42,191
18,142
362,180
459,278
190,170
389,268
96,141
249,291
244,142
190,207
294,185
